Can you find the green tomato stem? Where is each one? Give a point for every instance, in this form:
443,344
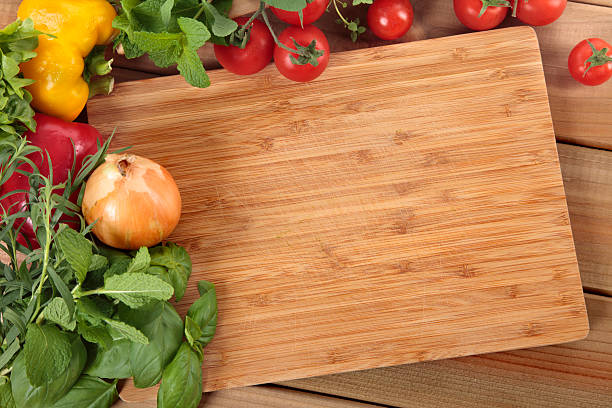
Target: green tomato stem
280,44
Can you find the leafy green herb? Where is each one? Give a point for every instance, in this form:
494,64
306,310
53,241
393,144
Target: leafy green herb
204,312
182,380
17,44
77,249
54,345
113,362
164,328
57,312
135,289
172,264
30,396
6,395
140,262
89,392
192,331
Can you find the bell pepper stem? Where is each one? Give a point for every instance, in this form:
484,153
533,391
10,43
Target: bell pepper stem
101,86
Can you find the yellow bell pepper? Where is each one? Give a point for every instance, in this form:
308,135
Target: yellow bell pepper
77,26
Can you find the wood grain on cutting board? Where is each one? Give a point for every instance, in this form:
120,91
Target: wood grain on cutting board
406,206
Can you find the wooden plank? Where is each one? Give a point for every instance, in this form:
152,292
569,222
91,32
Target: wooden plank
261,397
574,375
587,177
411,215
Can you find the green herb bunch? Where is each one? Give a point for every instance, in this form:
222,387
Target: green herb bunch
17,44
77,316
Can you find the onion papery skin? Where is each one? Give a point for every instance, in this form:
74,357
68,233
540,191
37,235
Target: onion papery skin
133,201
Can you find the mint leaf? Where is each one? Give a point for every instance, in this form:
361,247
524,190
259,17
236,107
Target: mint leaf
192,331
77,249
172,264
47,353
97,262
163,48
190,66
204,312
222,25
89,392
136,289
141,261
165,12
57,312
129,332
289,5
195,31
358,2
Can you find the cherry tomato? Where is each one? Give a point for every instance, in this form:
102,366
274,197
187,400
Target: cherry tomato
390,19
311,13
304,36
540,12
254,56
588,66
468,12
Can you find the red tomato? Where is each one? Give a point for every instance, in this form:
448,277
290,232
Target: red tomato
254,56
311,13
588,66
468,12
304,36
390,19
540,12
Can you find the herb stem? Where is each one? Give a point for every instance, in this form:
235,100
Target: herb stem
344,20
43,275
280,44
6,371
244,27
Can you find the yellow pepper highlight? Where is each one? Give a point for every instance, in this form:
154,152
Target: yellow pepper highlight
78,25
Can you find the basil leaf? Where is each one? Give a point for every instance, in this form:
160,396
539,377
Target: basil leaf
77,249
89,392
136,289
164,328
182,380
192,332
47,353
57,312
28,396
172,264
113,362
204,312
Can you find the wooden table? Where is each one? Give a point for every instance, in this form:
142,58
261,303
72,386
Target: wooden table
577,374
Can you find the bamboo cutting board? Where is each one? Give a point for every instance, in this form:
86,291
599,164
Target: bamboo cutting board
406,206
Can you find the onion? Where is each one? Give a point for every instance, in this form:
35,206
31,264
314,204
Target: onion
134,201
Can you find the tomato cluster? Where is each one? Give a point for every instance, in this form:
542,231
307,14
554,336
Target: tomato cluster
488,14
305,64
